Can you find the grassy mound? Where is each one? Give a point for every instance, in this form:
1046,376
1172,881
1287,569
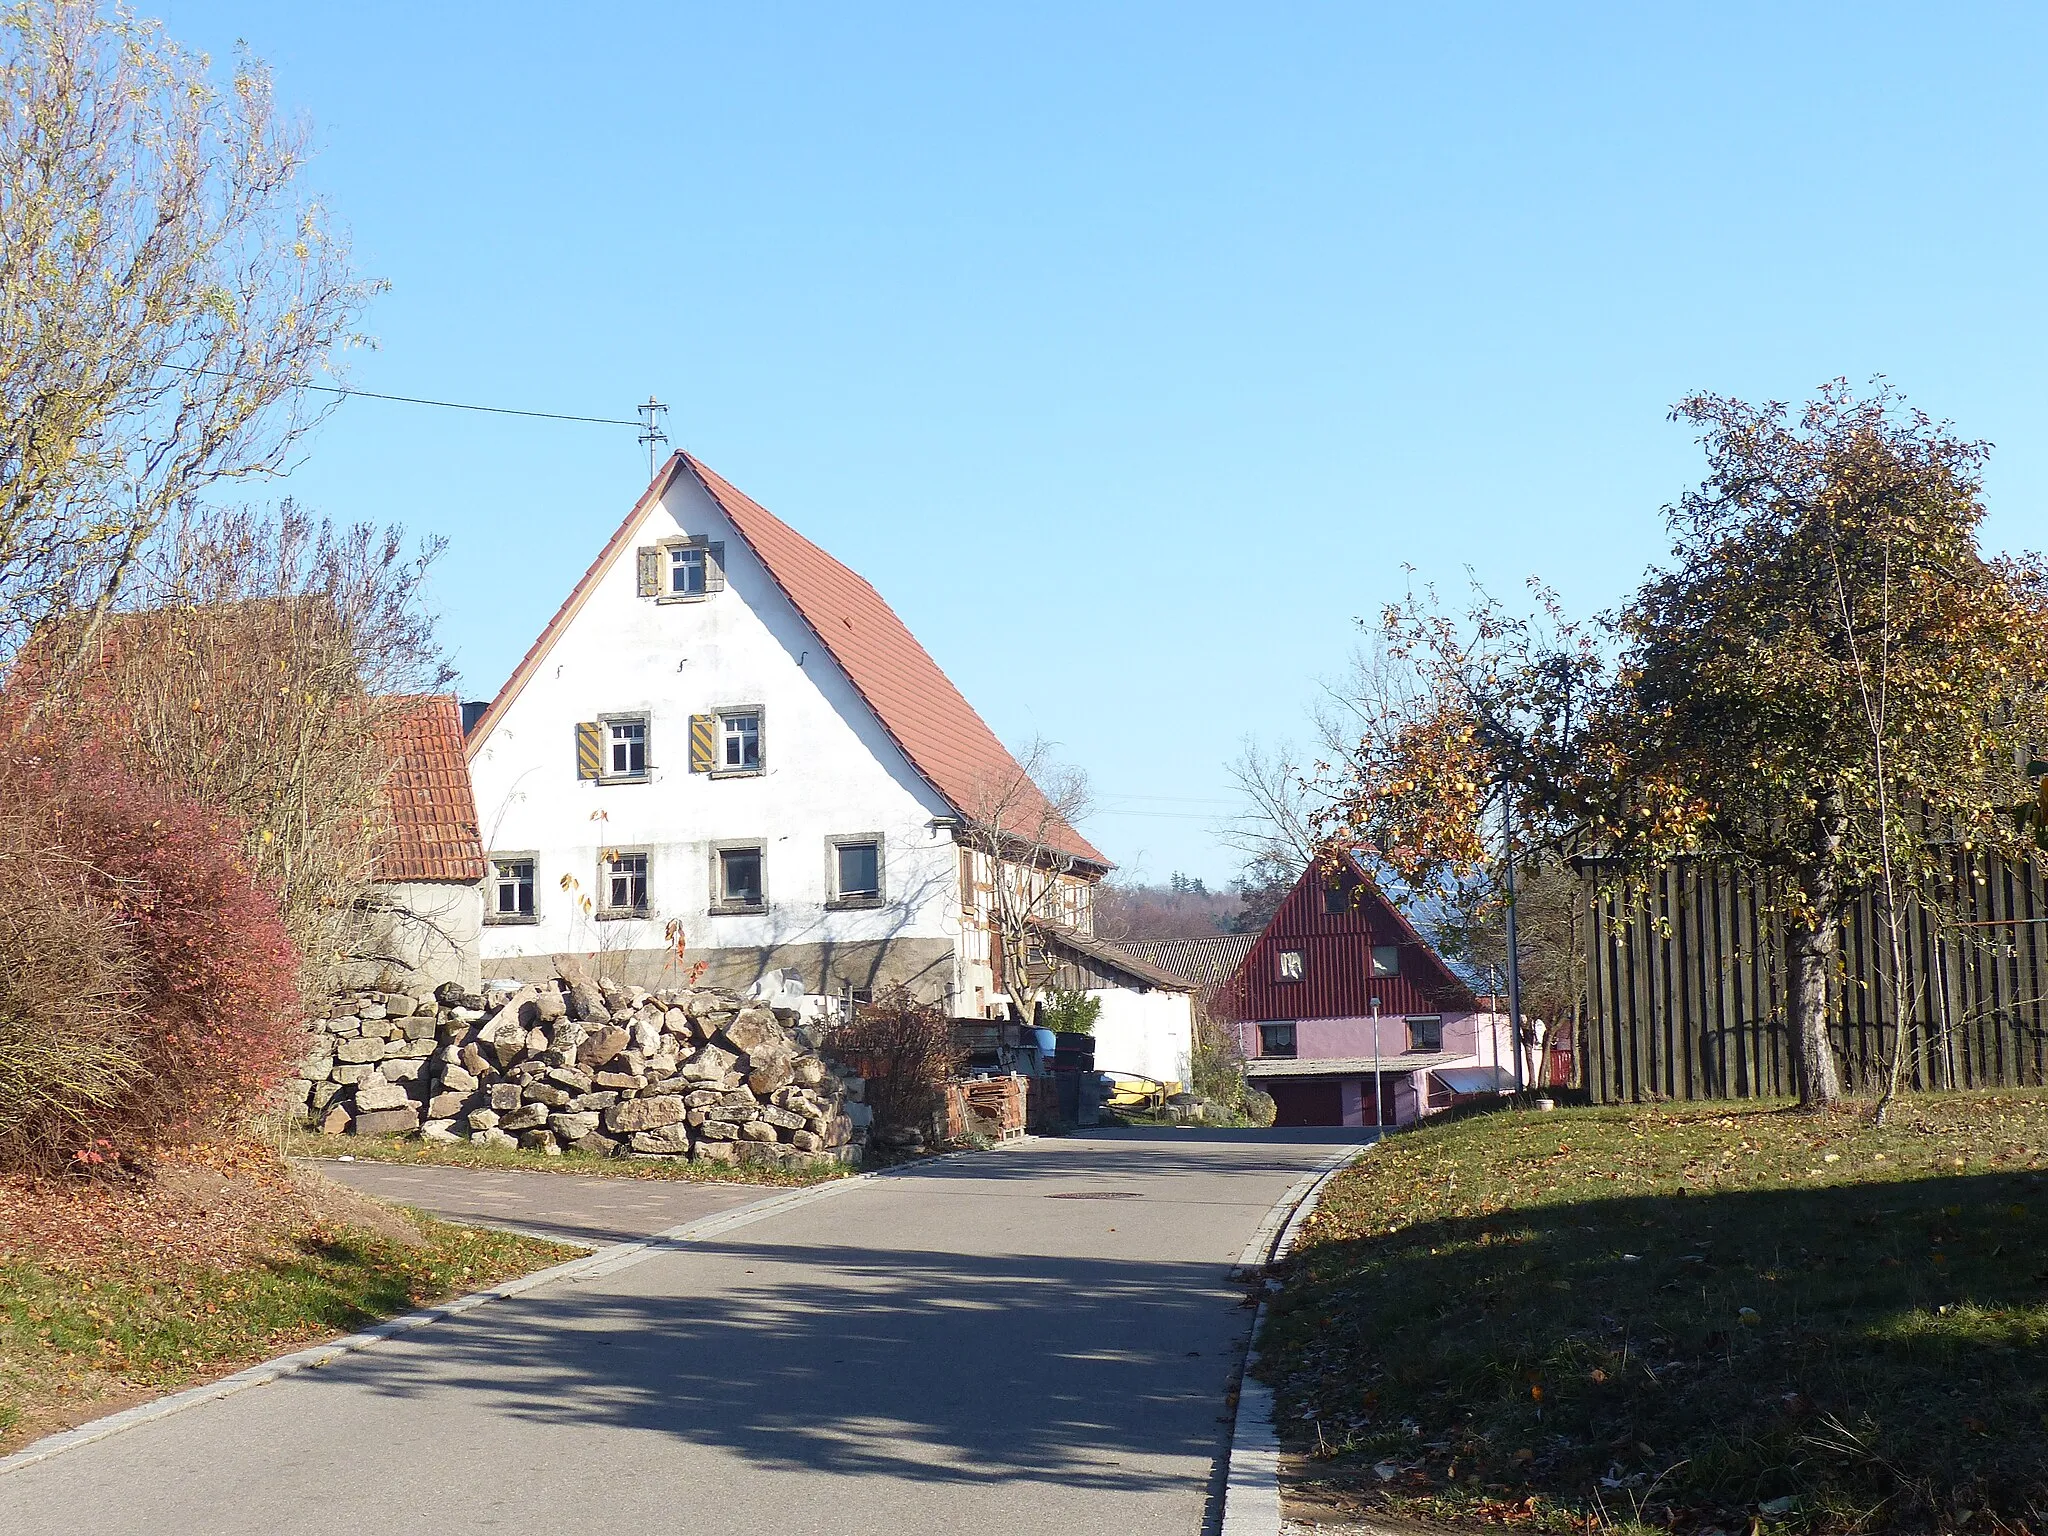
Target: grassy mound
1694,1318
114,1294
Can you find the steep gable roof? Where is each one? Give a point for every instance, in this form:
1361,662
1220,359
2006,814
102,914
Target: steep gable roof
1336,979
915,702
430,826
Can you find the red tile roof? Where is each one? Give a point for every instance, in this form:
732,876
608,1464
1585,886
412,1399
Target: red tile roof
916,703
430,830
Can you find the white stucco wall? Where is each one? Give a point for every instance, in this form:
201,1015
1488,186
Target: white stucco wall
419,934
1148,1032
830,770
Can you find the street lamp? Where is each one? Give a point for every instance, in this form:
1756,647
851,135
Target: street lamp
1377,1098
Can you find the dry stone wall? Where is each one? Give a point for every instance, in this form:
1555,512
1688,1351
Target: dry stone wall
617,1071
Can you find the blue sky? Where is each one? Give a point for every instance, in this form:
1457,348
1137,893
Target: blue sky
1133,352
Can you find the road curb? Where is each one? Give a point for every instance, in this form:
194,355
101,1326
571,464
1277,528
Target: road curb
605,1261
1251,1481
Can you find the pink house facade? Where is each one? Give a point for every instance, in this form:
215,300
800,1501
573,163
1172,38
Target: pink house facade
1347,1016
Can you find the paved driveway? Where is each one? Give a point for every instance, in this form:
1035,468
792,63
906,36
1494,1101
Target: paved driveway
586,1208
1034,1340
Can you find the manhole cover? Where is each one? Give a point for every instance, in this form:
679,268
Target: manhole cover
1097,1194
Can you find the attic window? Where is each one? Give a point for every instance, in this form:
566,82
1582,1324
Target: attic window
1290,965
1335,902
685,569
1386,959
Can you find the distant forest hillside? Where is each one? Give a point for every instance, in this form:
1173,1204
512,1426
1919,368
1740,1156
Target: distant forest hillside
1185,908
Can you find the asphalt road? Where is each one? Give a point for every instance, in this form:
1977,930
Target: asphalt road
586,1208
1034,1340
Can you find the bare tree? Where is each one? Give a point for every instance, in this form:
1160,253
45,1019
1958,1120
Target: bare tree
263,668
166,292
1021,833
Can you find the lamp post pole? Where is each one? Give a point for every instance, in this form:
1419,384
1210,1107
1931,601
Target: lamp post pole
1378,1098
1514,949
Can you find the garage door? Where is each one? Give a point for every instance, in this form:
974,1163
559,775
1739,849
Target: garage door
1310,1101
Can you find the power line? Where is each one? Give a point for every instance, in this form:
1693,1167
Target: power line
446,405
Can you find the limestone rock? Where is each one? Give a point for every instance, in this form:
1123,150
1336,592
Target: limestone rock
754,1028
620,1080
644,1114
473,1062
599,1101
401,1069
669,1140
482,1119
710,1065
573,1126
549,1005
757,1130
596,1144
805,1141
335,1121
358,1050
495,1138
715,1152
377,1094
542,1093
387,1122
441,1131
572,1078
504,1097
528,1117
602,1045
446,1106
809,1072
458,1080
768,1068
540,1140
718,1130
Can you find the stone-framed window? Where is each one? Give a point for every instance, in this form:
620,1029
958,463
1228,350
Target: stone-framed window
739,876
623,887
739,742
853,870
626,747
510,892
686,568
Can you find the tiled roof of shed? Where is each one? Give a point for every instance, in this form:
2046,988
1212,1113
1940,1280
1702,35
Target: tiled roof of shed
1204,961
1110,956
430,829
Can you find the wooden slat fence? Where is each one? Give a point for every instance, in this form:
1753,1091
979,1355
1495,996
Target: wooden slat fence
1686,986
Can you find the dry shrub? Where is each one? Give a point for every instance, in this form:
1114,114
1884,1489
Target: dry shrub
905,1050
258,669
151,988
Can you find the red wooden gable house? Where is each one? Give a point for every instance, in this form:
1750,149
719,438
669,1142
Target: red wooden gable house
1347,1016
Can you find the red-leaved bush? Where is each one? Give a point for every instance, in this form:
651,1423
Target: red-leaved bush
148,988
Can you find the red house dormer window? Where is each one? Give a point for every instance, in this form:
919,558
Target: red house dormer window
1290,965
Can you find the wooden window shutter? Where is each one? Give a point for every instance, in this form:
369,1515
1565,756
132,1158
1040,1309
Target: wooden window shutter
703,743
589,749
650,570
714,566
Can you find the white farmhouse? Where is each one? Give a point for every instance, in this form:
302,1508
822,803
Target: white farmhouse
726,748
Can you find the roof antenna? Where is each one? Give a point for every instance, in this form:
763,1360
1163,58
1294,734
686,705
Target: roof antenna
653,436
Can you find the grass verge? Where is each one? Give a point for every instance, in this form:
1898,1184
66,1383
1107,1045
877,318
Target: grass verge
1697,1318
111,1296
378,1149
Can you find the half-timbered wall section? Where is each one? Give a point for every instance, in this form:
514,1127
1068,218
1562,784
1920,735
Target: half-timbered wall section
1687,986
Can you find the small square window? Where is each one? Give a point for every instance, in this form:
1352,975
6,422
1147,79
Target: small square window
626,747
1426,1033
625,884
1336,901
686,570
858,871
1276,1039
739,877
1290,965
739,749
1386,959
511,890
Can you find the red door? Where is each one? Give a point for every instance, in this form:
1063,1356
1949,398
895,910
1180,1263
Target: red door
1307,1101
